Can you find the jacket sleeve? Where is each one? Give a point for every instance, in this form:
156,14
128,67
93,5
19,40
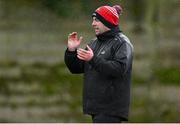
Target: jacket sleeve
74,64
116,67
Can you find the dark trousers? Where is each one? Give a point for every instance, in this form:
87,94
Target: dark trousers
102,118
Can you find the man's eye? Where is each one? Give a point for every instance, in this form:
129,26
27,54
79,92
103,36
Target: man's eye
97,20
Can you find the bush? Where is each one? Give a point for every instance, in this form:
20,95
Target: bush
168,75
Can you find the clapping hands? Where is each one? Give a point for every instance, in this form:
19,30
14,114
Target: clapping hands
73,44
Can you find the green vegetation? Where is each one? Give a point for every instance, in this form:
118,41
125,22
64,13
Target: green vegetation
168,75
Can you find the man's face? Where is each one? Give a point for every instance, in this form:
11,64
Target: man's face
98,26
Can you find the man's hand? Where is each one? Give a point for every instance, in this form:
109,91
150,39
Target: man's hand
73,41
85,55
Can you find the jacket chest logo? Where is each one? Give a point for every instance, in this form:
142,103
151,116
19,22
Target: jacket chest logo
103,52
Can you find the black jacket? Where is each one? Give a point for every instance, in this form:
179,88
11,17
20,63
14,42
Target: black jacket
107,76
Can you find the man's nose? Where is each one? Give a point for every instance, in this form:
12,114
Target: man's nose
93,23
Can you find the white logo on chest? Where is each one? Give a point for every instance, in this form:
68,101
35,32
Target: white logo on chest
103,52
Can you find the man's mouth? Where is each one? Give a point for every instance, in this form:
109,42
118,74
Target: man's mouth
96,29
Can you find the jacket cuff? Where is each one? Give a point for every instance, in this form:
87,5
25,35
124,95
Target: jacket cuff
71,52
93,61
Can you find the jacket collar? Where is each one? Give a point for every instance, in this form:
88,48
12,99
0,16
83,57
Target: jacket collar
108,34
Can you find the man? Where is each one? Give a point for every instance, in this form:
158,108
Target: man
106,63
